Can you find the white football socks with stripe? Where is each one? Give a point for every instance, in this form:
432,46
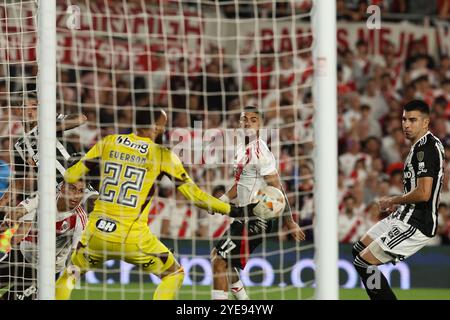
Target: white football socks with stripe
219,295
238,291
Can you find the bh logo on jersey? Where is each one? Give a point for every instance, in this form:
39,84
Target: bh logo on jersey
106,225
142,148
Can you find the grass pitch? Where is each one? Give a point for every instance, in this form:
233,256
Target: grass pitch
137,291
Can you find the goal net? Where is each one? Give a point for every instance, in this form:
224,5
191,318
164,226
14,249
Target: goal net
202,62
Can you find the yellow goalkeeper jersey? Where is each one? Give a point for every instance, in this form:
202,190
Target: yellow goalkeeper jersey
129,166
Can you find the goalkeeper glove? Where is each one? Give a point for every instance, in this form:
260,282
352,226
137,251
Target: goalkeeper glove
245,214
242,212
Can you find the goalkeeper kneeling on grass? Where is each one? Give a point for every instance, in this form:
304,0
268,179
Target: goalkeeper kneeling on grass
117,228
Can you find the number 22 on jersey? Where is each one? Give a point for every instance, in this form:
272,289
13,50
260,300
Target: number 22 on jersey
121,184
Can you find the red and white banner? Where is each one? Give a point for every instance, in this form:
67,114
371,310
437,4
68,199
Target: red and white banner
125,37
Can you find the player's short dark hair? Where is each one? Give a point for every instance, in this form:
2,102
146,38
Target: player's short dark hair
147,116
417,105
30,95
254,110
19,101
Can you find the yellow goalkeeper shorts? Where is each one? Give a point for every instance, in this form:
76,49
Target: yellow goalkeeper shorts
149,254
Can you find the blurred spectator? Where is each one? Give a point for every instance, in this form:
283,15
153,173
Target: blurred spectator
445,193
371,215
443,227
213,226
348,159
374,99
157,79
350,223
162,205
353,113
180,85
396,182
391,146
372,147
182,221
366,126
444,9
419,7
259,74
348,10
443,230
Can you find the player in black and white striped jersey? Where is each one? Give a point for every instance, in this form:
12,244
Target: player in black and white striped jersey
26,155
414,222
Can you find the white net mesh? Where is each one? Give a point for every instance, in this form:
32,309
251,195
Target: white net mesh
18,74
202,62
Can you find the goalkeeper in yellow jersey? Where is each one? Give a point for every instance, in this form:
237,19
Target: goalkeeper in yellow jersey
117,227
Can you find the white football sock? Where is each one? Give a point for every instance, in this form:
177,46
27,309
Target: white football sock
219,295
238,291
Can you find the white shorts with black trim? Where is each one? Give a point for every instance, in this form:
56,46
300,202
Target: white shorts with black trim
398,238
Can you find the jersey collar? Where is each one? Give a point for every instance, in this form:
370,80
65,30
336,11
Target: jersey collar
420,138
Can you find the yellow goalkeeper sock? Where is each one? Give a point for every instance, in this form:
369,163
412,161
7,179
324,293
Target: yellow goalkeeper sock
65,285
169,286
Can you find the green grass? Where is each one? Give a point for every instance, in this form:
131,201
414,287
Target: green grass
136,292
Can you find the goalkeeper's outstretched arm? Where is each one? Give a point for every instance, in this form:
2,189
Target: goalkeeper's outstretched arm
202,199
172,166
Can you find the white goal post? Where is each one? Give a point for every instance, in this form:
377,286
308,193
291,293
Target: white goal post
47,147
325,159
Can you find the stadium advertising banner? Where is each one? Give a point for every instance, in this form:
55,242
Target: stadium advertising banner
429,268
126,37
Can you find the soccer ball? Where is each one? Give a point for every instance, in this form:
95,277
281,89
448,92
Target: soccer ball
271,203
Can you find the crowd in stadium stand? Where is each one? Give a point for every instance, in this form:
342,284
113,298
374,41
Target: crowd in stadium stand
350,10
355,10
371,93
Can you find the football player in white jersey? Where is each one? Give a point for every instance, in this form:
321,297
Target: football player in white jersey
254,166
18,270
